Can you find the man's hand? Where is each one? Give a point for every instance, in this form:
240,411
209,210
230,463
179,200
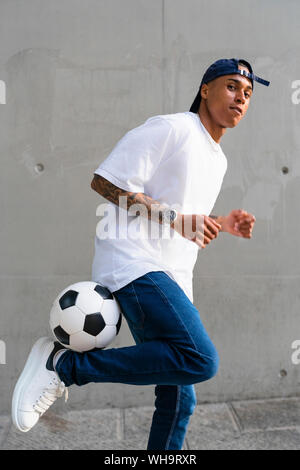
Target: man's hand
200,229
239,223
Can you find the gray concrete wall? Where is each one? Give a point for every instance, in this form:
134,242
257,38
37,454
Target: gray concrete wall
81,73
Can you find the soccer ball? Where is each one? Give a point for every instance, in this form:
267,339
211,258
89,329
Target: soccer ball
85,316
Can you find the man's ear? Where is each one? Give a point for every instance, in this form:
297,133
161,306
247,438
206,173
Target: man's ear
204,91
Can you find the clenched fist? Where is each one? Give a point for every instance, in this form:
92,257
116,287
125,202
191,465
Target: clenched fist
239,223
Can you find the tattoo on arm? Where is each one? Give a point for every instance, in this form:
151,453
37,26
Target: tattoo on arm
112,193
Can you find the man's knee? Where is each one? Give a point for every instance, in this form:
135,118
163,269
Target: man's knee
198,366
210,367
205,367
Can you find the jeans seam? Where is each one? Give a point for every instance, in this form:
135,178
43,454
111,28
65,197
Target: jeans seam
174,310
125,376
175,416
140,307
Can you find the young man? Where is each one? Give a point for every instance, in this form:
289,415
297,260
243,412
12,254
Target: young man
172,166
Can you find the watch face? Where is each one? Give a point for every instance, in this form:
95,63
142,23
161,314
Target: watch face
173,215
169,216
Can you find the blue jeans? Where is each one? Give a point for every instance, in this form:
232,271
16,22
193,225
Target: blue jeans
172,351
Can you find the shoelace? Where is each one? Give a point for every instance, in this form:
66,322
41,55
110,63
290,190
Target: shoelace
49,396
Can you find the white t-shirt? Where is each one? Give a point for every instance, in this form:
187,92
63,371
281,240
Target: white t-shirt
173,159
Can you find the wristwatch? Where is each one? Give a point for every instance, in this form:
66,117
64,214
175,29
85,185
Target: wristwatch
169,216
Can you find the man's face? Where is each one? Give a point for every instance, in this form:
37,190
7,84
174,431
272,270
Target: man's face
227,98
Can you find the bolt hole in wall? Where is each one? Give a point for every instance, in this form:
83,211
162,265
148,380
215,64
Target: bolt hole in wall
39,168
283,373
285,170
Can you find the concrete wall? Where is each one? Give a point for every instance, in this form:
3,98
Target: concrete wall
81,73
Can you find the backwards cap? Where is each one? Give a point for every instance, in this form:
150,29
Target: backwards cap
226,67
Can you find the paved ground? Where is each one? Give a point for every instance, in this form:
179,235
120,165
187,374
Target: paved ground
255,425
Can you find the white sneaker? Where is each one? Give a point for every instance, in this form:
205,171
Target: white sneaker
38,386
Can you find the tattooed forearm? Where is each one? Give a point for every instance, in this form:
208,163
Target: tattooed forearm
113,193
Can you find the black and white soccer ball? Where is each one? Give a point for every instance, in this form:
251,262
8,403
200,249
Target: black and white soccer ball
85,316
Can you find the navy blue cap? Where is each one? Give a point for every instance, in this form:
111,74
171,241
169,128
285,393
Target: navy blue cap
226,67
